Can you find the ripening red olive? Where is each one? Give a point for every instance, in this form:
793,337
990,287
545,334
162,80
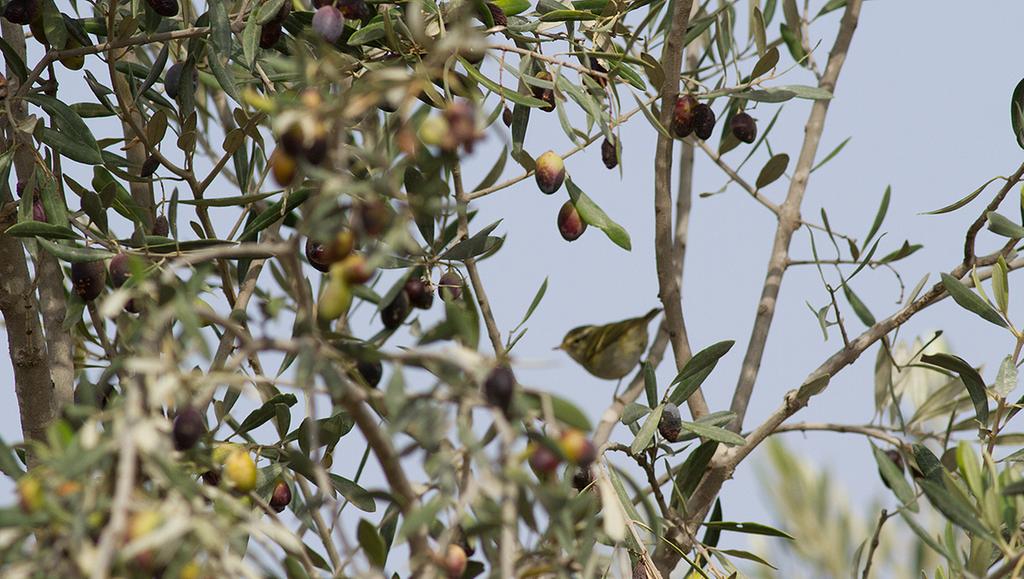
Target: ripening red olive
281,496
682,115
570,224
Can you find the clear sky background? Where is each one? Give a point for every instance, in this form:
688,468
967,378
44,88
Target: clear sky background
925,97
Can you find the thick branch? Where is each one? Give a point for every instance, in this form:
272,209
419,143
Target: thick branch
665,255
789,217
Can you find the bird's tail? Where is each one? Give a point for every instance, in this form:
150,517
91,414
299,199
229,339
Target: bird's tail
650,315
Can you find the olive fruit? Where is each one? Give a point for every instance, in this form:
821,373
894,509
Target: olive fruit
119,269
543,460
500,388
744,127
395,313
161,226
371,371
450,286
317,255
434,131
506,117
172,79
270,34
577,447
283,166
165,8
87,279
455,561
545,94
671,424
335,299
609,155
682,115
328,23
421,295
21,12
149,166
703,121
281,496
212,478
353,9
188,428
240,471
550,172
355,270
570,224
374,216
582,478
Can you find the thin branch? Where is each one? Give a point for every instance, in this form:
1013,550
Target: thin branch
972,231
869,431
789,217
882,518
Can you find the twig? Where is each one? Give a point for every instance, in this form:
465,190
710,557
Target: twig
882,518
869,431
972,231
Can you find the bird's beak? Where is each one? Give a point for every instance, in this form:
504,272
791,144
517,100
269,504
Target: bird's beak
558,347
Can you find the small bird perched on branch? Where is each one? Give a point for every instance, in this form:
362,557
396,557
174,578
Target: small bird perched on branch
612,350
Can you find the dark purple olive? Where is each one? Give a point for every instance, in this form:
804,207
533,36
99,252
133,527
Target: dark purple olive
353,9
281,497
328,23
500,388
570,224
20,187
609,155
671,423
21,12
161,227
270,34
119,269
316,254
682,115
149,166
165,8
371,371
188,428
421,295
582,479
450,286
703,121
744,127
395,313
212,478
172,79
545,94
87,278
283,13
506,117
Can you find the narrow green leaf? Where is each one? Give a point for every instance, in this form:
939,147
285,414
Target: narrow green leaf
516,97
963,201
40,229
372,543
970,377
831,155
697,370
955,508
1003,226
772,170
749,529
894,476
970,300
1017,113
646,435
765,63
714,433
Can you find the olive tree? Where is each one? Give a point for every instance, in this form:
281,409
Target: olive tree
241,177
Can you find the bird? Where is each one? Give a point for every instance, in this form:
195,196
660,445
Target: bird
609,351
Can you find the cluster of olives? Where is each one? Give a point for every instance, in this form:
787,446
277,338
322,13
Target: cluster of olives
22,12
572,445
690,116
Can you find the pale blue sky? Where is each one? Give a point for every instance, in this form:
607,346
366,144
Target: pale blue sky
924,96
